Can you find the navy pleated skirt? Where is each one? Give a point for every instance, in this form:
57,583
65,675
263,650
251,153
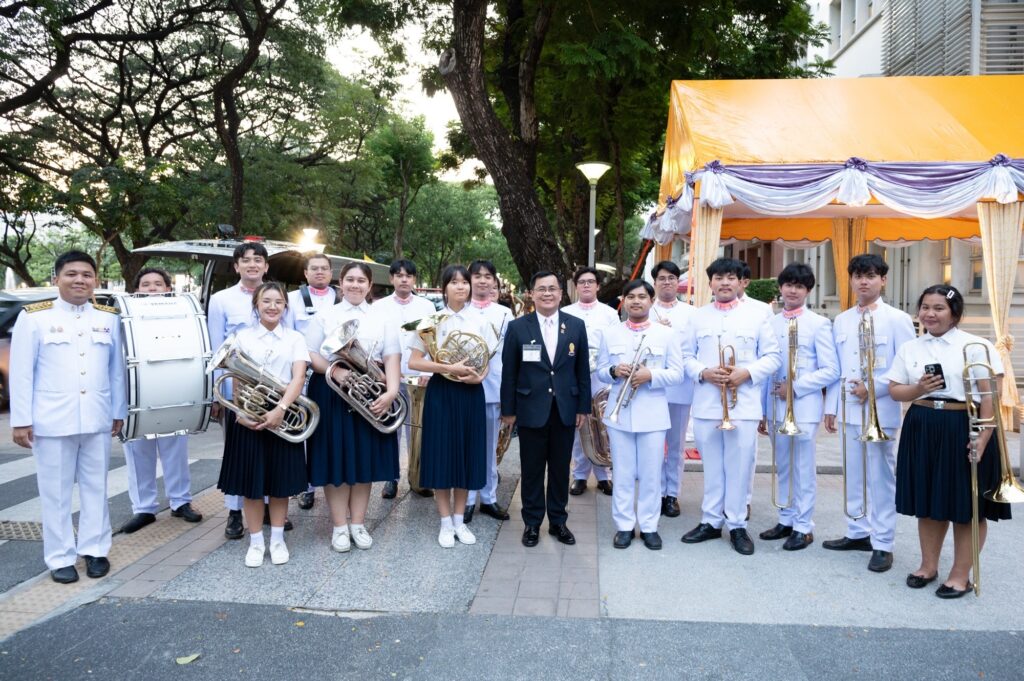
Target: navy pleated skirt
258,463
454,449
933,475
345,449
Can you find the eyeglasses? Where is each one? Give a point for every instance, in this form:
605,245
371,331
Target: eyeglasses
587,282
666,280
547,289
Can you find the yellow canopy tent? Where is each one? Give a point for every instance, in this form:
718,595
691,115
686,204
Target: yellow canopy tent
850,160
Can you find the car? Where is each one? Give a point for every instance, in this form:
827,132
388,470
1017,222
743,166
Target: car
11,304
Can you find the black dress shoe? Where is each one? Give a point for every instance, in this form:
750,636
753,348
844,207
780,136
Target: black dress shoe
306,501
652,540
880,561
64,575
847,544
945,591
797,541
578,487
187,512
670,507
96,566
702,532
390,489
741,541
495,511
424,492
288,527
623,539
919,582
531,535
137,522
777,532
562,533
234,529
605,486
467,515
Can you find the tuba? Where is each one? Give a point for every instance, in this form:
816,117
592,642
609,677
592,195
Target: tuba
365,381
594,434
256,393
458,346
788,426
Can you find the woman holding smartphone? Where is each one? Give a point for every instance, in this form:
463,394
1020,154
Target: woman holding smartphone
933,469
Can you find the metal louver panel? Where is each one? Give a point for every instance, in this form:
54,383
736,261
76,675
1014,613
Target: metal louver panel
1002,36
927,37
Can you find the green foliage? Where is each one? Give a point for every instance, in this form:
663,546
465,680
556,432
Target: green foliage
765,290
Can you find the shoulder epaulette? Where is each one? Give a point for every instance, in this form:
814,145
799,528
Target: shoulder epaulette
36,307
106,308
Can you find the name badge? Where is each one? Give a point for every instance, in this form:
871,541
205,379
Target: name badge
531,352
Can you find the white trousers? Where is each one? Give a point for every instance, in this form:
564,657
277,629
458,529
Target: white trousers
675,442
798,514
880,521
582,467
489,494
728,457
60,461
141,455
636,478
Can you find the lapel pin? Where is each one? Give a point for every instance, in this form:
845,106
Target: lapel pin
572,349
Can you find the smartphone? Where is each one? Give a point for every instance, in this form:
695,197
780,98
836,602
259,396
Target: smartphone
936,370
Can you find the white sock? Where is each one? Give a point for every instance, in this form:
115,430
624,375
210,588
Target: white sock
355,526
457,520
446,523
256,539
341,529
276,534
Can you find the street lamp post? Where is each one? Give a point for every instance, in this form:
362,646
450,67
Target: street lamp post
592,170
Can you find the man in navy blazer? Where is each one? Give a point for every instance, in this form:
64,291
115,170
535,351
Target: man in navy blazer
545,389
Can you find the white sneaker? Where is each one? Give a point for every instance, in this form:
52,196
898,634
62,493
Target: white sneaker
254,556
446,538
361,538
278,553
340,541
464,535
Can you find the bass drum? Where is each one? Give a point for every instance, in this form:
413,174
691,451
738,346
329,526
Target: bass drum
166,348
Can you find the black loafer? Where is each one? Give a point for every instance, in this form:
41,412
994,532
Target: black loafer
306,501
777,532
945,591
623,539
798,541
424,492
702,532
562,533
467,514
880,561
741,541
96,566
605,486
288,527
234,529
577,487
64,575
390,490
495,511
187,512
847,544
919,582
531,535
137,522
670,507
652,540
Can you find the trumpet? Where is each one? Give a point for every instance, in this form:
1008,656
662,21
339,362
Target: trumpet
628,392
727,360
788,426
256,393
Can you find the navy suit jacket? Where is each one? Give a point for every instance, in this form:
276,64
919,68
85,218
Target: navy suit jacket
527,388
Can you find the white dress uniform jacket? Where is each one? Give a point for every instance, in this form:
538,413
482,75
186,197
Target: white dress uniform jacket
680,317
498,317
301,314
817,366
415,308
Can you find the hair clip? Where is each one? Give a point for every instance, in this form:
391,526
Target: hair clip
950,294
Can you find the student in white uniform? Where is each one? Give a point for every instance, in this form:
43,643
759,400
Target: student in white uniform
596,316
67,401
637,435
405,306
727,454
876,531
140,455
316,295
817,367
258,463
668,311
484,279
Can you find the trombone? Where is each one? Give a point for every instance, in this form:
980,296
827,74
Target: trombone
628,392
788,426
727,361
1009,490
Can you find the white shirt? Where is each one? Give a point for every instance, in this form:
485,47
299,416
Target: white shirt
274,351
549,332
377,335
947,350
497,317
464,321
678,316
416,308
297,306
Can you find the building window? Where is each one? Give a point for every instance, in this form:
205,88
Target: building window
977,275
947,266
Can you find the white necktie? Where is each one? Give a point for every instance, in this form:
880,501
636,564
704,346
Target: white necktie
550,342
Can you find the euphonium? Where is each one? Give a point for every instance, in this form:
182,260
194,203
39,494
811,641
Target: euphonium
256,393
593,432
727,360
458,346
365,381
627,392
788,426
